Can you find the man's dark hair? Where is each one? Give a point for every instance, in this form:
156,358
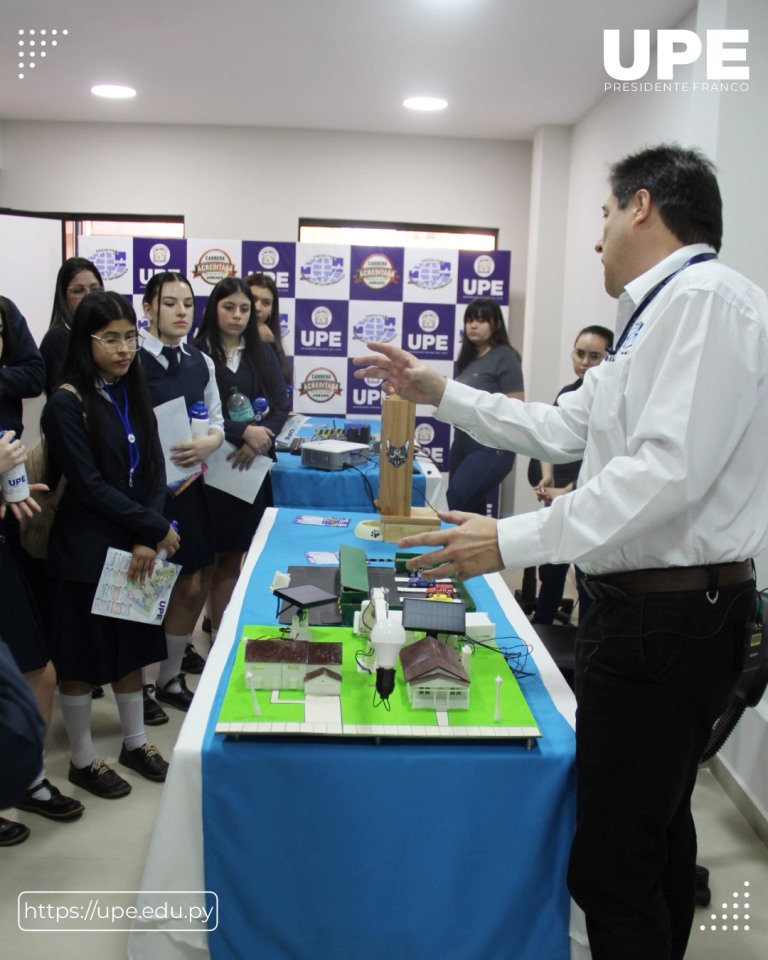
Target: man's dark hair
682,184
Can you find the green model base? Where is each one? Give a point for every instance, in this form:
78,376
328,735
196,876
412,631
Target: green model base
284,711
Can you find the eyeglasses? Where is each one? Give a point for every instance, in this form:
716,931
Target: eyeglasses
113,344
80,291
592,357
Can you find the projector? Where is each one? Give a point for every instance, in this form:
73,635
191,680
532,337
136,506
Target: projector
332,454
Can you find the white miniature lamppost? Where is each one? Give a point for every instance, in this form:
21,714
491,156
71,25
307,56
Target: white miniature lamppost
497,712
387,639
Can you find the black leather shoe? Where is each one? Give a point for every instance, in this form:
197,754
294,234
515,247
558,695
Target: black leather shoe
181,699
12,833
97,692
145,760
154,715
192,662
100,780
57,807
206,625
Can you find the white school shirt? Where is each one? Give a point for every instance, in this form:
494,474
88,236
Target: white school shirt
211,395
673,432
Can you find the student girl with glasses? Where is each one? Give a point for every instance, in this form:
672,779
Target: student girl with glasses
101,434
551,481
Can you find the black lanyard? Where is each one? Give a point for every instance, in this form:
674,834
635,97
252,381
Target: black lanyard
699,258
124,414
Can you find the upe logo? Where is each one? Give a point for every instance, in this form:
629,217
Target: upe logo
321,317
676,48
159,255
268,258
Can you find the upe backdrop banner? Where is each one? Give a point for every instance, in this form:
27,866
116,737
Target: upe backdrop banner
333,298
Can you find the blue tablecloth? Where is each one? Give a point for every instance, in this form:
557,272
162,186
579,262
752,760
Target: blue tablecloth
351,489
345,851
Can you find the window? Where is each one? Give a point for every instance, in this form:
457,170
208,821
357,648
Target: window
371,233
116,225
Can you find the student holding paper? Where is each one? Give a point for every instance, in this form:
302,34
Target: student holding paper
229,336
101,435
179,371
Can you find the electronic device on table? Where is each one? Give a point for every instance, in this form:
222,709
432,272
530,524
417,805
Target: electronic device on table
332,454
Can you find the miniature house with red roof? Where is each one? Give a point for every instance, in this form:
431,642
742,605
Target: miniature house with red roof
293,665
435,676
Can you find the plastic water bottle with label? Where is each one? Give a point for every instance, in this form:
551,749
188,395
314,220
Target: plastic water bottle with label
198,419
14,481
239,407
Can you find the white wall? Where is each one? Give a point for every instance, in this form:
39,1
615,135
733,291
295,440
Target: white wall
256,183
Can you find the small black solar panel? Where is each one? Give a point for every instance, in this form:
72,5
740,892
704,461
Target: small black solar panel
434,616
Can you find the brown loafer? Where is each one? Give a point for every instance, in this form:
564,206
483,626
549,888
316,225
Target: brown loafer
12,832
57,807
181,699
100,780
145,760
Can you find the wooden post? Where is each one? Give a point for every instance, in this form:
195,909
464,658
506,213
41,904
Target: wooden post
398,425
398,517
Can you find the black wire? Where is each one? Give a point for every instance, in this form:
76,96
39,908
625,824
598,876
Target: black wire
362,653
516,659
366,482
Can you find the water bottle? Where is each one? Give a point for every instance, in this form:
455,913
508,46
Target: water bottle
239,407
163,554
198,419
13,482
260,408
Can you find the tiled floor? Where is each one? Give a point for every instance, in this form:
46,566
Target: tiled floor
105,850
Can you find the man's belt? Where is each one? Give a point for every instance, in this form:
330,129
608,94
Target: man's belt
616,586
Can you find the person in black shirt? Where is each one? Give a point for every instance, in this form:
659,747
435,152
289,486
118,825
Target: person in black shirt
229,336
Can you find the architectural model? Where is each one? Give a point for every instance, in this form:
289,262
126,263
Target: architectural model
435,676
293,665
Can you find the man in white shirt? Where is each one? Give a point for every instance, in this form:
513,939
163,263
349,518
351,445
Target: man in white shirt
670,507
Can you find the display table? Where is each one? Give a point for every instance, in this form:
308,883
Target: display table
353,488
344,850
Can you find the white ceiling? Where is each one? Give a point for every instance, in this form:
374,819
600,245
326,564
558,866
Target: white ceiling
505,66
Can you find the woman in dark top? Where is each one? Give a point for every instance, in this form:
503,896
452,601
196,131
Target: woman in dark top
554,480
101,435
266,301
76,278
22,375
178,371
229,335
486,361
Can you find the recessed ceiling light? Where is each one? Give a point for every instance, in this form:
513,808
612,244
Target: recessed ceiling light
425,103
113,91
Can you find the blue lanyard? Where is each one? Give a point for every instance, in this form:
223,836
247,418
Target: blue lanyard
133,448
699,258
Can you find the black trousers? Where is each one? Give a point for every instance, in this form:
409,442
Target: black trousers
653,673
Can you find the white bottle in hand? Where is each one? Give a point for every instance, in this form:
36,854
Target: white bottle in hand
198,419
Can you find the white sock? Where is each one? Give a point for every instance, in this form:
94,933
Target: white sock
130,706
36,788
170,668
214,634
76,713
